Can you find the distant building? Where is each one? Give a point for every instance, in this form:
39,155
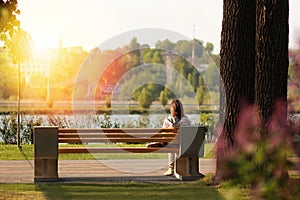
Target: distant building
36,70
35,73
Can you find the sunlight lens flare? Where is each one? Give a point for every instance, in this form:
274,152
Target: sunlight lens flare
44,43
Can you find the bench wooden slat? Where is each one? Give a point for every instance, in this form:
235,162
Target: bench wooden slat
117,130
124,140
117,135
118,150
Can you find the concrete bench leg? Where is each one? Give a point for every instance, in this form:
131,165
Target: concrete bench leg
187,163
187,169
45,154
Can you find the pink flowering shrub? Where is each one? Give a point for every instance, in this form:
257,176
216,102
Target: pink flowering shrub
259,154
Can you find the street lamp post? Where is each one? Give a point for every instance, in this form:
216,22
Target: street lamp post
18,112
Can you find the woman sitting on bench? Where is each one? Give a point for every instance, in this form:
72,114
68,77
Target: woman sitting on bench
176,119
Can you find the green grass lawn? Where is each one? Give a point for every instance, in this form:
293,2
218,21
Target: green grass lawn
11,152
119,190
134,191
127,190
201,189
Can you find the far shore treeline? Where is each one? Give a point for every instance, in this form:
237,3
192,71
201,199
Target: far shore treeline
196,64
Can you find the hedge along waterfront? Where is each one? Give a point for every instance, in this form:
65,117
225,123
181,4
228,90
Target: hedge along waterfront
8,123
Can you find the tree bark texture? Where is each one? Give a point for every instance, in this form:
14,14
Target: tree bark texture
237,59
271,55
253,65
237,70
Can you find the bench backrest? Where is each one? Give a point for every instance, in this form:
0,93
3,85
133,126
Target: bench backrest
140,135
191,138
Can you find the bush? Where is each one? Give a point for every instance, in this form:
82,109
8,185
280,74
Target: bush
27,129
106,123
258,156
209,120
8,129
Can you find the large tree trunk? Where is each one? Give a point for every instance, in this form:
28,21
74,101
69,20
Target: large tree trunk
271,55
253,66
271,67
237,67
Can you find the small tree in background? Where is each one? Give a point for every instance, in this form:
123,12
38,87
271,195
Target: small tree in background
108,102
20,46
163,98
144,98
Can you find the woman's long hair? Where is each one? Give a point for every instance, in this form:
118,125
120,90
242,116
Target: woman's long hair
178,108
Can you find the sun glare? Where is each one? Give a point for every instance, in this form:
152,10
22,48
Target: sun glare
43,43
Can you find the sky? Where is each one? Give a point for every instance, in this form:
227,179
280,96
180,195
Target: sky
90,23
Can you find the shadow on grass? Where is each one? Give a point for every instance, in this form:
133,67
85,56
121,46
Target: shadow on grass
25,156
128,190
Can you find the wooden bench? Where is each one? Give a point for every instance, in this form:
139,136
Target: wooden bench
185,141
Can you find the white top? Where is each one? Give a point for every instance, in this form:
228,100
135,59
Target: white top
170,122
